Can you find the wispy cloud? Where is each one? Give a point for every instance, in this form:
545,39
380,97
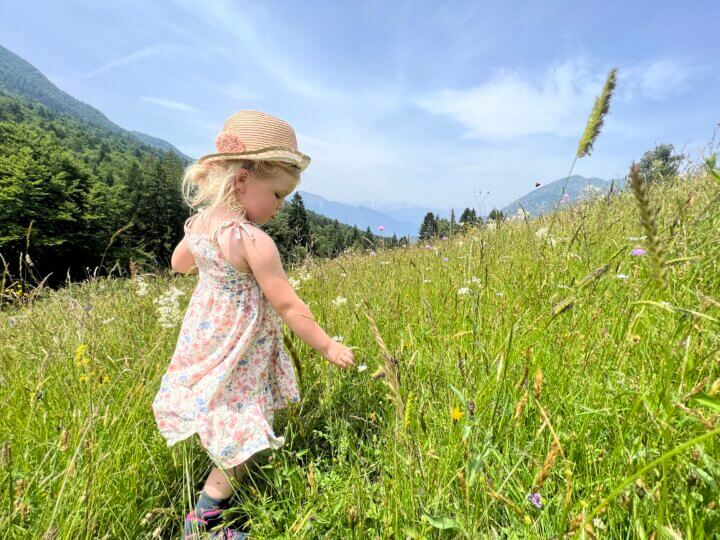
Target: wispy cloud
512,105
658,79
170,104
131,58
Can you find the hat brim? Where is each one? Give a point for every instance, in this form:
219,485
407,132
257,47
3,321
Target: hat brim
272,153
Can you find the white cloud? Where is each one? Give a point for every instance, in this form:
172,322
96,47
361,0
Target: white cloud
131,58
510,105
656,80
170,104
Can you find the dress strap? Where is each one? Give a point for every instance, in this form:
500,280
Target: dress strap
239,224
189,221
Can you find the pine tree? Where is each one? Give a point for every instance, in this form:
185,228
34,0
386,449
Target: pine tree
429,227
298,222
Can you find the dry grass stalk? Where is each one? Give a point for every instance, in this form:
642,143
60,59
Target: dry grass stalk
697,414
648,220
547,466
537,385
546,420
521,405
502,498
597,115
388,370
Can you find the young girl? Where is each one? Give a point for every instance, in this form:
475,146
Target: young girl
229,371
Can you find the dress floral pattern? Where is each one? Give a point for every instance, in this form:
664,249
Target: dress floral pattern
229,372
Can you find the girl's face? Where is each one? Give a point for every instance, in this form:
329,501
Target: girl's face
263,197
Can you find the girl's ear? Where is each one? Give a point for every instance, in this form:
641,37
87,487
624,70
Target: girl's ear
240,178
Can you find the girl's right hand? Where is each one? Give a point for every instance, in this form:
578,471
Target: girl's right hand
338,354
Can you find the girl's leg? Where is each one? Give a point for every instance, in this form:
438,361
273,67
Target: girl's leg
214,498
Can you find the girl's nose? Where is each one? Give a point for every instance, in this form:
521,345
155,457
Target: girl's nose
282,204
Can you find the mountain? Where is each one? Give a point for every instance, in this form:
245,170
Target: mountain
19,77
406,212
544,198
360,216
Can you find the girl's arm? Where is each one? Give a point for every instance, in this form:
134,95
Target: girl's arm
182,260
263,258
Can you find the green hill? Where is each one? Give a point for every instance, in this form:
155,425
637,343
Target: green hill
22,79
545,388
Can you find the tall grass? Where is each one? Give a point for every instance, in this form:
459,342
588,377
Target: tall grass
545,389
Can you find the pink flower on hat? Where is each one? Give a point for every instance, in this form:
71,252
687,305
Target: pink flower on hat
229,142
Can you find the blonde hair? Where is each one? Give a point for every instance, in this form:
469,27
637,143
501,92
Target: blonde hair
212,184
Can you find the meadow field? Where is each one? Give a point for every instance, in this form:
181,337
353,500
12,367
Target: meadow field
536,378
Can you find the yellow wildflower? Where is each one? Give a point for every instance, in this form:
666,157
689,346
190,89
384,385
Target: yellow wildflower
635,340
456,414
106,379
528,521
83,378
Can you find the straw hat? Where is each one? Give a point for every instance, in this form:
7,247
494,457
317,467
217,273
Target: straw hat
257,136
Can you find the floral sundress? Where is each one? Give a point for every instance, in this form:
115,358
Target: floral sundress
229,372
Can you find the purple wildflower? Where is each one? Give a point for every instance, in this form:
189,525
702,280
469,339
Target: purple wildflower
535,499
565,198
445,259
638,252
427,246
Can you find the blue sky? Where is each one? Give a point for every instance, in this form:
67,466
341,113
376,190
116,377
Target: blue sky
437,104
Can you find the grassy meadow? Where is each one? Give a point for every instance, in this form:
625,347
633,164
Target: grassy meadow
525,381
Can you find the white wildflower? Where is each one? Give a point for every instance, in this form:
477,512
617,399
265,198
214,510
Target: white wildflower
141,287
490,225
637,238
499,294
361,367
108,321
598,524
427,280
294,282
621,276
463,291
339,301
542,232
384,262
168,308
337,338
305,275
475,281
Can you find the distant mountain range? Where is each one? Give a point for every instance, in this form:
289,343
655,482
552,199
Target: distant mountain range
19,77
361,216
544,198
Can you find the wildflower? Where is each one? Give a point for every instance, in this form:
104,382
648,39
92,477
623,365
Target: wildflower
168,307
339,301
427,246
445,259
456,414
528,521
475,280
372,416
372,253
142,288
499,294
635,340
304,275
295,283
536,499
106,379
471,407
108,321
565,198
598,524
621,276
361,367
637,238
382,262
381,228
83,378
583,504
463,291
490,225
427,280
542,232
337,338
444,238
638,252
